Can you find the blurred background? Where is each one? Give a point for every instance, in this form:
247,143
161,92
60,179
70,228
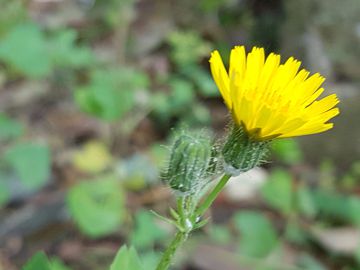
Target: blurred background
89,93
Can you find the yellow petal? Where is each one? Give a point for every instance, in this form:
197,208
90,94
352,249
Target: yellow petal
221,77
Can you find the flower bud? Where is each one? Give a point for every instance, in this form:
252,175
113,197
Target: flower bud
189,161
241,152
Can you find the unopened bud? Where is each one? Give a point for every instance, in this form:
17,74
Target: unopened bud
189,161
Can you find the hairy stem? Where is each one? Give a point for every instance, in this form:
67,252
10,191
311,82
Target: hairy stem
169,253
212,196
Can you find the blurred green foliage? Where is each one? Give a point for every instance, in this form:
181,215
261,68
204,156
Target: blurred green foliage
39,261
187,48
277,191
127,259
287,150
258,236
26,49
111,93
31,162
23,50
97,205
220,234
146,232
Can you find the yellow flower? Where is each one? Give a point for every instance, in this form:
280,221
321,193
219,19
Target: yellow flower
270,99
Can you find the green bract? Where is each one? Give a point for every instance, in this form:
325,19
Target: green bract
241,152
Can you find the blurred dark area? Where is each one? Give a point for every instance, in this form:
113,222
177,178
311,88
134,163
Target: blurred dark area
90,92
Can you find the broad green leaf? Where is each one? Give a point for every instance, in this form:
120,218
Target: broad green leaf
31,162
38,262
97,206
146,232
127,259
24,48
287,150
9,128
277,191
258,237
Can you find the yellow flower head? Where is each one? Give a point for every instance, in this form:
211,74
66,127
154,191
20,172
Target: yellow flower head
270,99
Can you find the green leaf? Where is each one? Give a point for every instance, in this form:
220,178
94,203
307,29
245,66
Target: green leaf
202,80
64,51
305,202
57,264
150,259
258,237
331,204
182,94
110,93
38,262
146,232
9,129
127,259
277,191
287,150
31,162
24,48
97,205
188,47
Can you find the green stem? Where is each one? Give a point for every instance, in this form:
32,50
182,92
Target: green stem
212,196
169,253
181,236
